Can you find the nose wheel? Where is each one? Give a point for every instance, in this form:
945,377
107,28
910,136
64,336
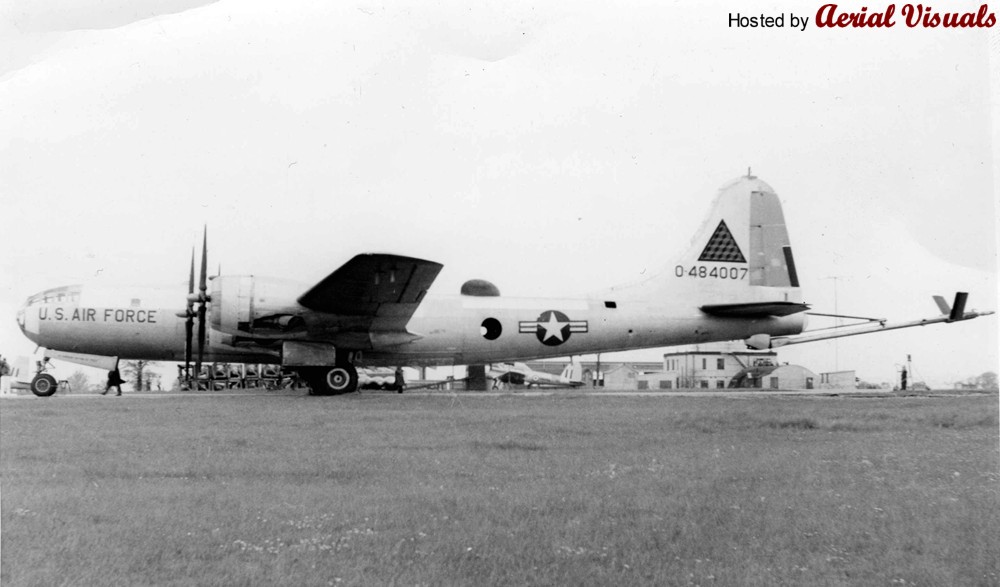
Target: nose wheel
44,385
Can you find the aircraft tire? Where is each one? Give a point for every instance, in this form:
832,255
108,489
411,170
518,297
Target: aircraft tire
44,385
341,379
336,380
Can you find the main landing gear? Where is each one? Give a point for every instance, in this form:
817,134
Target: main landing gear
336,380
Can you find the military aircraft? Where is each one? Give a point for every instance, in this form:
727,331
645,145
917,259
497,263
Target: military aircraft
736,281
521,374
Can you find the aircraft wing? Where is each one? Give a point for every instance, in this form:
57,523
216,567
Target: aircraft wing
382,289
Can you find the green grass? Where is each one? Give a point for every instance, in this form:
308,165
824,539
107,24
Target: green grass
438,490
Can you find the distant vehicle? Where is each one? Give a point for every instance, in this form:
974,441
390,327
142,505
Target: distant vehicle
521,374
736,281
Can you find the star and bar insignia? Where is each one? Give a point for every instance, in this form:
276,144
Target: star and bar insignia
552,327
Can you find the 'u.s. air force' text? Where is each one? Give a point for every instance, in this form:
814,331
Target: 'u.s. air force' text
97,315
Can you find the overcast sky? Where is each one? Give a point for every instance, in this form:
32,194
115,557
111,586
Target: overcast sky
551,148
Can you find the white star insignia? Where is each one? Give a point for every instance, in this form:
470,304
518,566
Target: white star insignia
552,328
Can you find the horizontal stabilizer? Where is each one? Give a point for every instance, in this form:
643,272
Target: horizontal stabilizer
754,309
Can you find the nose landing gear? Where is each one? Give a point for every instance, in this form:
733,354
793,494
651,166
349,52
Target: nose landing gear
44,385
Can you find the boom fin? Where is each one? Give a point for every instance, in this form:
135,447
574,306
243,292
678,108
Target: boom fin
957,310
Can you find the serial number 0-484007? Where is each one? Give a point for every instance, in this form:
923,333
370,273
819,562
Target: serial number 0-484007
704,272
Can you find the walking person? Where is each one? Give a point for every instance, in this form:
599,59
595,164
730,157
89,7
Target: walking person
114,380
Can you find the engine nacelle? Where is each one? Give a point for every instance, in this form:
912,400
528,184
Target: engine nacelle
252,307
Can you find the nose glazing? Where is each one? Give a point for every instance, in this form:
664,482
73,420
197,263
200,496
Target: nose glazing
27,321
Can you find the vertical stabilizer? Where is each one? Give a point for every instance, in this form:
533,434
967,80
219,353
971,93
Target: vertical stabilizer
740,254
573,372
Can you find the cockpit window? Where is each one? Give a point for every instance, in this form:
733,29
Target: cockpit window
69,294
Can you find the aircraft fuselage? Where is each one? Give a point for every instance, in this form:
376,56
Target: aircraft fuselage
447,330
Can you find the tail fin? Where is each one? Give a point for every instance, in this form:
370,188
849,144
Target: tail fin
573,372
957,310
740,255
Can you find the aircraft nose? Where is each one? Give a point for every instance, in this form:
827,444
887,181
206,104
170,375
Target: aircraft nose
27,321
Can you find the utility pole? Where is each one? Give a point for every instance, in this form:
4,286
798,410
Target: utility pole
836,311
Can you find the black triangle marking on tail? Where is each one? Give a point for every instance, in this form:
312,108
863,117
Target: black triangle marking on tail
722,247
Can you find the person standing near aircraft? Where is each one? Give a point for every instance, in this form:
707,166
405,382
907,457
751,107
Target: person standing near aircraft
400,382
114,380
4,367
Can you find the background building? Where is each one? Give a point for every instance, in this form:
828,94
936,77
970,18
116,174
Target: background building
708,367
838,380
716,366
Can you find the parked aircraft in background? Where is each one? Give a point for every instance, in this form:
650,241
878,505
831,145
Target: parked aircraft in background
737,281
18,376
521,374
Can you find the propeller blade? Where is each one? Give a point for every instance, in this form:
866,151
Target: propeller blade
203,284
191,278
189,333
203,287
201,338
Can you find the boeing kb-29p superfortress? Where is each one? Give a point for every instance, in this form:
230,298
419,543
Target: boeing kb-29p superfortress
737,281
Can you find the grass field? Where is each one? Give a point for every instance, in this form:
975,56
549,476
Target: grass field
381,489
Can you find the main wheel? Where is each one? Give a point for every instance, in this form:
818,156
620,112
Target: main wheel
331,380
342,379
44,385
